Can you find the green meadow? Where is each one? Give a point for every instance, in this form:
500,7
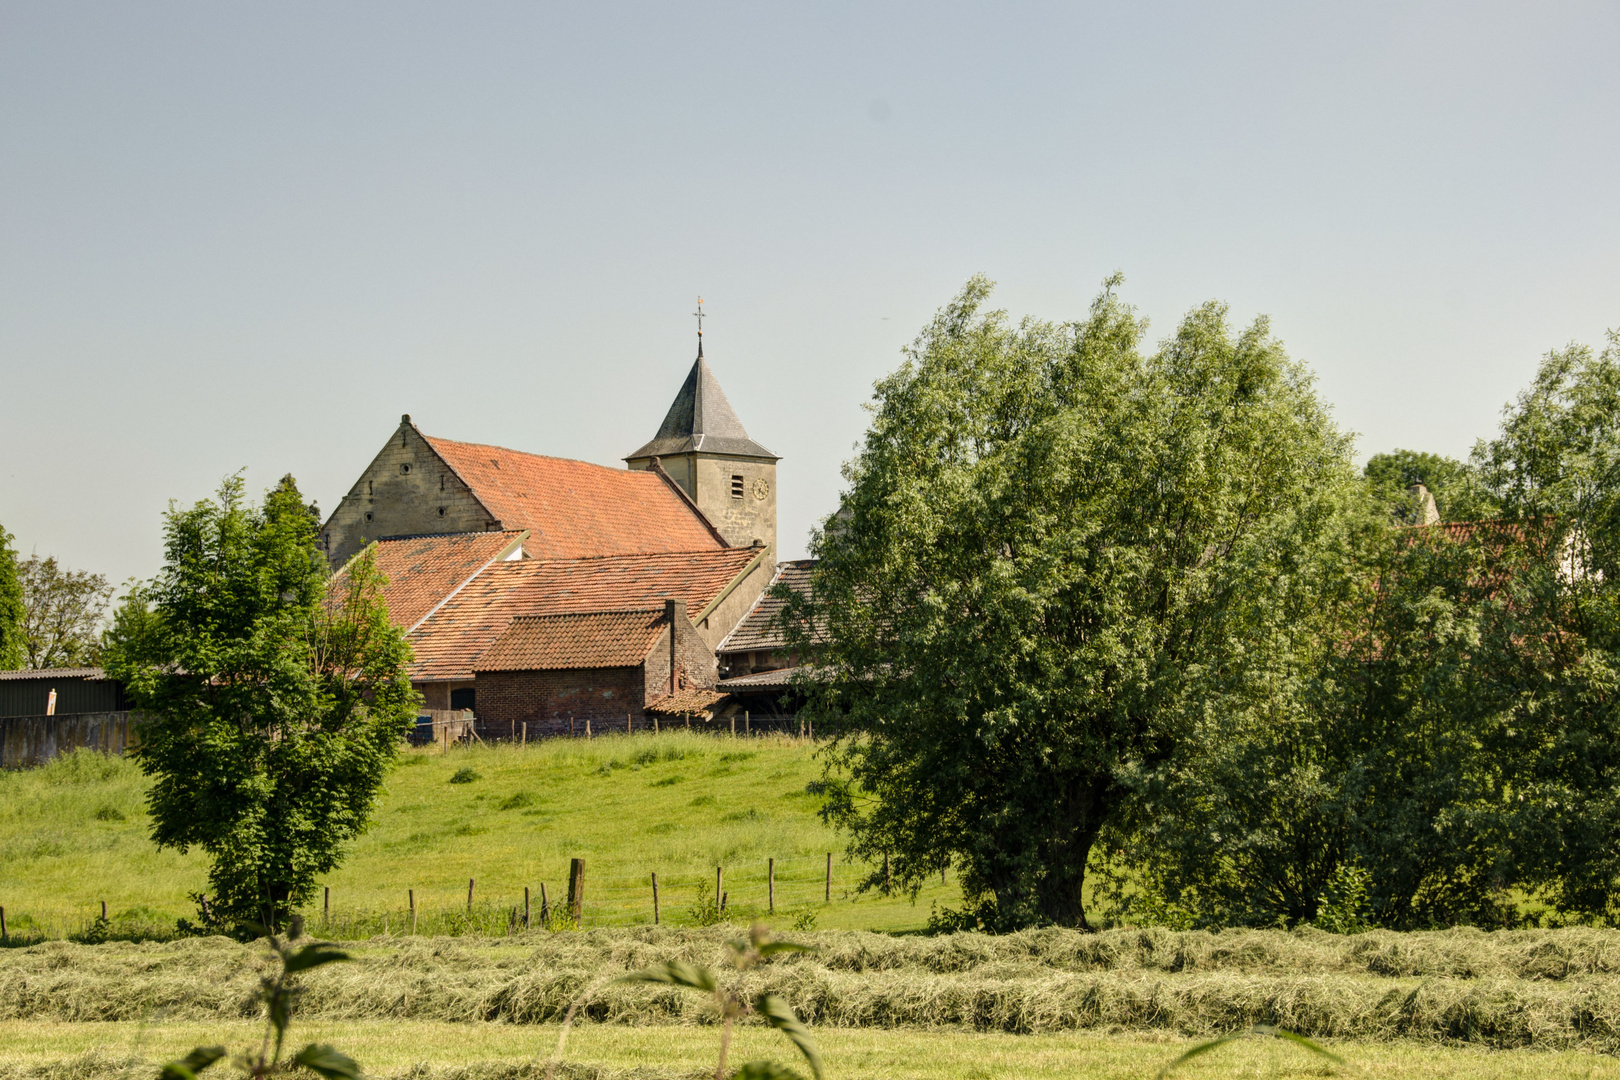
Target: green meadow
74,834
467,993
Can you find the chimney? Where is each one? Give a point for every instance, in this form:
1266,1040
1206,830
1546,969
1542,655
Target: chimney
675,612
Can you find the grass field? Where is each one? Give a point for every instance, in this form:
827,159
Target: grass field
440,1051
74,833
1043,1003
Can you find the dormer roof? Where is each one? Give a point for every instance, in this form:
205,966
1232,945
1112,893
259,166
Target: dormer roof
701,420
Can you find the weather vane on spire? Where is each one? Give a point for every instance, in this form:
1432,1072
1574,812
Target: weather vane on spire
699,314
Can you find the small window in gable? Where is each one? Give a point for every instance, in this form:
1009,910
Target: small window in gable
404,468
736,487
441,511
368,515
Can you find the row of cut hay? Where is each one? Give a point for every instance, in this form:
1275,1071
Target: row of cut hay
455,980
100,1064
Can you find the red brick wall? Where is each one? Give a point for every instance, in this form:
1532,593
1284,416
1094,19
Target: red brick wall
546,700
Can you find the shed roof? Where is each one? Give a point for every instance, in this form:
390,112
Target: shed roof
90,673
574,509
758,629
451,640
688,701
595,639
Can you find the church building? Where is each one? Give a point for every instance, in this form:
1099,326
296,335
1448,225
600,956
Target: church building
545,593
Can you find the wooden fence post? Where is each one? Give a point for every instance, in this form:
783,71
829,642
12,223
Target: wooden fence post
570,727
3,937
733,725
770,884
326,907
888,881
411,895
576,890
627,729
587,727
470,882
525,733
655,898
747,730
525,907
545,908
828,897
719,887
104,911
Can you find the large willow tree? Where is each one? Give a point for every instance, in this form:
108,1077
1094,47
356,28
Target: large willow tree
1054,552
271,703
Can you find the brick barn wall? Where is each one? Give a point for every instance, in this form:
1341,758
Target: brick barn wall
546,699
693,655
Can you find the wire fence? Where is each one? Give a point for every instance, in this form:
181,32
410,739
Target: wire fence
801,887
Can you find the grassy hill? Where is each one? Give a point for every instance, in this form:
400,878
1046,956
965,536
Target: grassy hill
74,833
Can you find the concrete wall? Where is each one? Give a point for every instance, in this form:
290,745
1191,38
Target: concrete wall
33,740
407,490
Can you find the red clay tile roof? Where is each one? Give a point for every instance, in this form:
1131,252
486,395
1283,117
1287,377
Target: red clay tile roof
423,570
454,637
574,509
689,701
596,639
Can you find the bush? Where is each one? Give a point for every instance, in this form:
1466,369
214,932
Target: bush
465,775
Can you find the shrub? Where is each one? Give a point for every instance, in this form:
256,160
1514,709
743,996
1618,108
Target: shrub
465,775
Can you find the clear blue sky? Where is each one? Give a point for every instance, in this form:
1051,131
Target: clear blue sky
251,236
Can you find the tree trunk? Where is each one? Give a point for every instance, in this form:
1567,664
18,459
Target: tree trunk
1080,819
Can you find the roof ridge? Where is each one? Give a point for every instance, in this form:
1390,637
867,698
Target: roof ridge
636,555
431,439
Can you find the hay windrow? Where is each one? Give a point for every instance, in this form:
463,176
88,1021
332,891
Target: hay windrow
1548,988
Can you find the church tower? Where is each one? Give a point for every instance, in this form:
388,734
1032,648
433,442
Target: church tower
705,450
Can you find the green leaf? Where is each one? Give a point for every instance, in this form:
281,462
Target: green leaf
313,956
1197,1051
780,1016
675,973
193,1063
765,1070
1300,1040
1258,1029
321,1058
774,947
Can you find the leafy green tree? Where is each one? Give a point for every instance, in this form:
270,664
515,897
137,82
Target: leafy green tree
1458,493
1384,749
1555,467
62,612
12,653
272,704
1054,554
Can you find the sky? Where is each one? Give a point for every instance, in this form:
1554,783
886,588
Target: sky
250,237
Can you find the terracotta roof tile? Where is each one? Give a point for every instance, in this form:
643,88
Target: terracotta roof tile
596,639
690,701
423,570
574,509
758,629
449,642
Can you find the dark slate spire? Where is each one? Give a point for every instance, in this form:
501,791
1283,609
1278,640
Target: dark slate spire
701,421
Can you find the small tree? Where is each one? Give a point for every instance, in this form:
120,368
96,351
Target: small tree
271,707
12,653
62,612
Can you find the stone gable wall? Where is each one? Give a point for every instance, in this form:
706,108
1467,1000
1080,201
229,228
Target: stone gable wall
545,700
407,490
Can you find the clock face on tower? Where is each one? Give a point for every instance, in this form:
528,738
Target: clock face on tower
761,489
